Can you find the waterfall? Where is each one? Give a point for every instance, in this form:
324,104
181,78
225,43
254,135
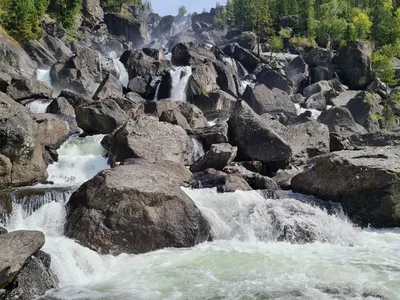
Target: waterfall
180,77
38,106
157,92
198,149
119,66
243,69
43,75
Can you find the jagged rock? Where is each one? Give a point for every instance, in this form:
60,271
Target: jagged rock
5,81
210,135
367,188
193,115
51,130
118,202
263,100
245,57
16,249
227,78
83,72
316,101
283,178
174,117
256,181
190,54
56,47
355,65
248,40
92,11
22,161
297,72
225,183
343,98
320,63
152,140
214,102
319,87
339,120
165,25
297,98
134,29
61,106
272,79
75,99
40,54
24,88
37,268
100,117
219,156
364,108
254,137
12,55
202,81
109,88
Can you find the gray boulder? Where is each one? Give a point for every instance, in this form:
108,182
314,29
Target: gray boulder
61,106
214,102
272,79
5,81
367,188
297,73
319,87
343,98
24,88
190,54
100,117
92,11
355,65
210,135
316,101
121,214
152,140
16,249
264,100
51,130
219,156
255,180
109,88
202,81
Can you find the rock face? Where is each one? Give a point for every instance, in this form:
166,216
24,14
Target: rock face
152,140
368,186
100,117
136,208
355,65
297,72
263,100
255,139
16,248
21,161
134,29
272,79
13,55
219,156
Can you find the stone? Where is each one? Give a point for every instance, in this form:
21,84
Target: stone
367,188
152,140
93,11
355,65
75,99
256,181
136,208
316,101
343,98
100,117
16,249
319,87
214,102
202,81
24,88
219,156
109,88
51,130
210,135
297,73
61,106
272,79
5,81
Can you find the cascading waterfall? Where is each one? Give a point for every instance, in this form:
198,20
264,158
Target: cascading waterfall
180,77
157,91
198,149
122,72
242,69
43,75
38,106
315,113
245,260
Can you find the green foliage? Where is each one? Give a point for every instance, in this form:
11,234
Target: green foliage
65,11
182,10
285,33
276,43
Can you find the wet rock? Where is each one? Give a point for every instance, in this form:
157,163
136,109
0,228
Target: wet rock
355,65
24,88
219,156
152,140
100,117
368,185
118,202
16,249
255,180
61,106
224,183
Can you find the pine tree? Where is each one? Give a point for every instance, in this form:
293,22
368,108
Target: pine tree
261,20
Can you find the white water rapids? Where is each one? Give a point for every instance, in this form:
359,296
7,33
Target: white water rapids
246,260
180,77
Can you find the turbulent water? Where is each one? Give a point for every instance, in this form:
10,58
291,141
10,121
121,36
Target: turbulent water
122,72
258,250
180,77
38,106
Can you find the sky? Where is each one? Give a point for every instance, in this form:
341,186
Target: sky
170,7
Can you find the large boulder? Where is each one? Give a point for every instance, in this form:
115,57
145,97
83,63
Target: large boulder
52,131
245,57
52,28
190,54
136,208
272,79
165,26
202,81
227,78
134,29
39,54
109,88
92,11
343,98
24,88
61,106
13,56
75,99
152,140
355,65
210,135
16,249
321,64
214,102
21,158
83,72
368,185
297,73
264,100
5,81
255,138
255,180
56,47
219,156
365,109
100,117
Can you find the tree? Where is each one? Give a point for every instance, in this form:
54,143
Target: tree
182,10
362,23
261,20
307,16
65,11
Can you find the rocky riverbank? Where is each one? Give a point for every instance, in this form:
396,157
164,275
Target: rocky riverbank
182,102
